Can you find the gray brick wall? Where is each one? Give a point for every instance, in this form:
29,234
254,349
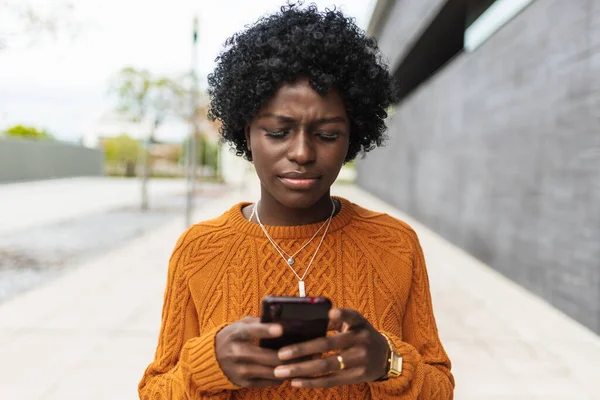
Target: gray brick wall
403,25
23,160
500,153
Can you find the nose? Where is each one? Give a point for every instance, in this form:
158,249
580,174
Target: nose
301,149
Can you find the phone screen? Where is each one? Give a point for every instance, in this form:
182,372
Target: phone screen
302,319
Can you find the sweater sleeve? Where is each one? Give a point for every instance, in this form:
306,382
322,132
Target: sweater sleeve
185,364
425,366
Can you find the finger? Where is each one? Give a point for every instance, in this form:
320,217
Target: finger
264,383
249,320
338,326
248,352
318,346
340,316
251,331
352,358
345,377
255,372
309,368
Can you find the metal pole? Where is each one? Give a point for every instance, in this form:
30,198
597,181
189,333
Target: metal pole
146,166
191,176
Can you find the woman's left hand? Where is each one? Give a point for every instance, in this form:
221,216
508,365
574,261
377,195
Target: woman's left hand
363,350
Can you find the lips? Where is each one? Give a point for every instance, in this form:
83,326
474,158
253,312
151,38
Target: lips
299,180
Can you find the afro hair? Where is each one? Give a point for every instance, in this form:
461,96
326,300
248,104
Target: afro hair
326,47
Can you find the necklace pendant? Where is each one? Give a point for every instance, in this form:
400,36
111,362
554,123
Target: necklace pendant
291,261
301,289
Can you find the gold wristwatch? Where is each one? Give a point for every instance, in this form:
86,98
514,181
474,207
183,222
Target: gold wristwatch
394,361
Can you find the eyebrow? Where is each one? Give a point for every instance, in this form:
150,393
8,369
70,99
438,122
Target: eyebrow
287,119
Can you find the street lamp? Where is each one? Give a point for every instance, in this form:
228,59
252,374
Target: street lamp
147,163
191,150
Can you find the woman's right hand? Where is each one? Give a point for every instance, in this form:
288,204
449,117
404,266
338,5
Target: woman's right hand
243,362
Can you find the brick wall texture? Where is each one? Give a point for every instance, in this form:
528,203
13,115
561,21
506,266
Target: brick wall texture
499,152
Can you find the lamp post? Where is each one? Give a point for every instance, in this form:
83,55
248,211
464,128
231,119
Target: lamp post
191,149
147,163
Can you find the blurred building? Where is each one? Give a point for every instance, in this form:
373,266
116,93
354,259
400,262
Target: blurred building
495,143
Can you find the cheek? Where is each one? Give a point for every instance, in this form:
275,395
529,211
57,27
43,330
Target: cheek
340,152
264,154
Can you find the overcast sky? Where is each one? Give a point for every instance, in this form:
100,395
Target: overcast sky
60,84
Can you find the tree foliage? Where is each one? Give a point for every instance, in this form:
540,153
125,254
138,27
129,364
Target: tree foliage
142,94
122,149
28,132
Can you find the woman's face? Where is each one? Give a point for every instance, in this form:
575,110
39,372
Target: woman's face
299,141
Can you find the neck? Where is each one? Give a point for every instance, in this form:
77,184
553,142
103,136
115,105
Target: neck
273,213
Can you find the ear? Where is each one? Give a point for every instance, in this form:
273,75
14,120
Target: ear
247,134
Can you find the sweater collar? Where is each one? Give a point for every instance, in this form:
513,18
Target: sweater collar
241,224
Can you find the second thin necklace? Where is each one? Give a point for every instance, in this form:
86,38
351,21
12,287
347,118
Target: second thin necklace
291,258
327,223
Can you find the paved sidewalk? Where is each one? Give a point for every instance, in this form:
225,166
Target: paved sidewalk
27,204
90,334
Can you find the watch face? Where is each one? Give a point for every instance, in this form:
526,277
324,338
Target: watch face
396,364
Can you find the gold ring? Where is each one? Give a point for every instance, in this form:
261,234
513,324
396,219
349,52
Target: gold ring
341,361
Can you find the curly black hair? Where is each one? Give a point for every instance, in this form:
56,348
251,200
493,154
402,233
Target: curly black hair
326,47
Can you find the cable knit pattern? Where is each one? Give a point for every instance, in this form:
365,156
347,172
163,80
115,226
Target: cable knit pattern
221,269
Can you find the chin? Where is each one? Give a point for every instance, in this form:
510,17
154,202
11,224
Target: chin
298,199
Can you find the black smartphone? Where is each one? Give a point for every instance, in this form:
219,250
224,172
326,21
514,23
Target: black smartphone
302,319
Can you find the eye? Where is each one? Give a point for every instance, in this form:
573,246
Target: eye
276,134
328,136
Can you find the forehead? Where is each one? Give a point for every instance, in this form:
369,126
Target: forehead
300,99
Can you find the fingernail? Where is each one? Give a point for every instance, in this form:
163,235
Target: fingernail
285,354
335,314
275,330
296,383
282,372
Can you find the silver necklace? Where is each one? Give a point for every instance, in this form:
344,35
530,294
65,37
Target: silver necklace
301,287
291,258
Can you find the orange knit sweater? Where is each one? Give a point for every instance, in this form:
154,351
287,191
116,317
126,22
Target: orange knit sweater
221,270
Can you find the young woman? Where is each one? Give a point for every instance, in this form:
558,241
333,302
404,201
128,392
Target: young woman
299,93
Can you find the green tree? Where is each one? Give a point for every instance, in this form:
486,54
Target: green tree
28,132
122,151
142,95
